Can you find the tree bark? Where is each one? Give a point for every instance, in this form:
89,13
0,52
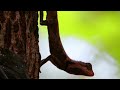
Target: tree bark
19,34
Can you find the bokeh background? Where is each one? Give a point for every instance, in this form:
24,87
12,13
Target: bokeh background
89,36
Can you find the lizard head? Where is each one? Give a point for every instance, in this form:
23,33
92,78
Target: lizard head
80,68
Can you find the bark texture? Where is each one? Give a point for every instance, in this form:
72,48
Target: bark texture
19,34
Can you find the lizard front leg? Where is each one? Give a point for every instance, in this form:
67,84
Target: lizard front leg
55,61
45,60
51,58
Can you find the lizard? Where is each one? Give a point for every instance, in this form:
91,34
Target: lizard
58,56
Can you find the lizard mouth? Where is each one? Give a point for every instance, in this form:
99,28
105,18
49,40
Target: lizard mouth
87,70
80,68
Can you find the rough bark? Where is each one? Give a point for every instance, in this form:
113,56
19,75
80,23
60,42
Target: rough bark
19,34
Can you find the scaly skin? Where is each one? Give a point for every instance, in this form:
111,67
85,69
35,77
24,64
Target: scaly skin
58,55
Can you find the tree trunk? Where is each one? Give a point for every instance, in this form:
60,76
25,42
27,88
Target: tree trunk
19,33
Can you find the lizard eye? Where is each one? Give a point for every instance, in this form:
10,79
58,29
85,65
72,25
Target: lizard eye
89,66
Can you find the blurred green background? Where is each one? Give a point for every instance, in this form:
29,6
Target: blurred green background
99,28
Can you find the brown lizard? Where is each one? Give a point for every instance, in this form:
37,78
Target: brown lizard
58,55
12,65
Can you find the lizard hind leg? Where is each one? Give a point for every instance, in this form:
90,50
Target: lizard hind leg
42,22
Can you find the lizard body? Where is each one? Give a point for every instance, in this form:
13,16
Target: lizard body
58,55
